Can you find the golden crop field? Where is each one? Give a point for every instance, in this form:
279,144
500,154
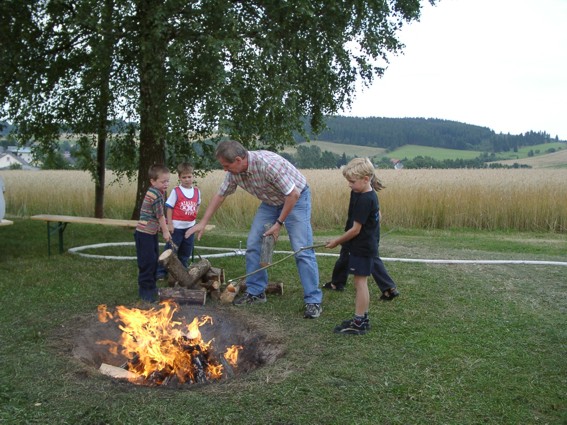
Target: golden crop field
515,199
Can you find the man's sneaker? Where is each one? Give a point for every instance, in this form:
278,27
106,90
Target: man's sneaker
350,327
312,311
247,299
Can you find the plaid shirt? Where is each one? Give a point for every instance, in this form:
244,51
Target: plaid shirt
269,177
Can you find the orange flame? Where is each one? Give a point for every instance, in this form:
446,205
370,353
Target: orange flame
159,348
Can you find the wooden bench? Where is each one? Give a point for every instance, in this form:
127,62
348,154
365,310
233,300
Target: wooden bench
58,223
4,222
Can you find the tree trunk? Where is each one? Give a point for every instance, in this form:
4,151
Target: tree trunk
152,48
103,104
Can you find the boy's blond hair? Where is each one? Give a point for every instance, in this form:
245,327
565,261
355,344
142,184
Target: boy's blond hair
184,168
359,168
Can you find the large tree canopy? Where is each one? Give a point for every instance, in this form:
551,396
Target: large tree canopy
187,70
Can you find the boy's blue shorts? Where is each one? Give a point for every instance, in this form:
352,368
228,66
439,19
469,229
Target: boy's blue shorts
360,266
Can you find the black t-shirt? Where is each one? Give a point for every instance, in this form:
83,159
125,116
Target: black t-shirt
363,208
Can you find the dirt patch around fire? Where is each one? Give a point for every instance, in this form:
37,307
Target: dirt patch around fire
262,342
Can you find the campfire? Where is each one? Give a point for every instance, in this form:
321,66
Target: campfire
161,350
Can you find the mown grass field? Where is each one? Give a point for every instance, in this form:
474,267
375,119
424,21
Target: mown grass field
339,149
463,344
556,160
439,154
541,158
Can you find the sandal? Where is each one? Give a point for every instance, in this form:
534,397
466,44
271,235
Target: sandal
389,294
334,287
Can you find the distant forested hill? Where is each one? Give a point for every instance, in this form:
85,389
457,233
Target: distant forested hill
391,133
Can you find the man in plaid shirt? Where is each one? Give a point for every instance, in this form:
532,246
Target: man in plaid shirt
285,198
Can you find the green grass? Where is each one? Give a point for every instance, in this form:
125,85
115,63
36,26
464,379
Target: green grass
464,344
339,149
439,154
411,151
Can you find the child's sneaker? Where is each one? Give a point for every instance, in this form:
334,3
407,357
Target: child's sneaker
350,327
389,294
365,323
247,299
334,286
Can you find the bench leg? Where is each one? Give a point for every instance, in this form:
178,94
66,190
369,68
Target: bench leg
60,228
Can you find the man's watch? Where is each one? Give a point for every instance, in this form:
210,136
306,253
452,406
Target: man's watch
281,223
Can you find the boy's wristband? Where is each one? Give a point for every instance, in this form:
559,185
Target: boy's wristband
281,223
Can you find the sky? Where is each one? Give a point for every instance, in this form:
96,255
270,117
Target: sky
500,64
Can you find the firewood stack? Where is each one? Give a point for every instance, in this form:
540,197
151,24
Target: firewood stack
190,284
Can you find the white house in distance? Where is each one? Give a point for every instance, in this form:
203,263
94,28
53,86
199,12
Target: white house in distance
14,156
24,153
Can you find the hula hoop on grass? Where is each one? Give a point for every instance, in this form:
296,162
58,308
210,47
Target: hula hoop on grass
231,252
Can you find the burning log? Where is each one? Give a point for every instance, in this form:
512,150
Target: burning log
161,349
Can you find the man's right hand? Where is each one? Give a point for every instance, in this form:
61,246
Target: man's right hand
198,228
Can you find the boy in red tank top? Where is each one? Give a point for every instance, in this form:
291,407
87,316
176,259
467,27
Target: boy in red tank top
182,207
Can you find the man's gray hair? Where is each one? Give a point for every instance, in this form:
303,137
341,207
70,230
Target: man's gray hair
229,150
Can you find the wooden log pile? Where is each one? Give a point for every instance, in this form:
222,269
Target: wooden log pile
201,279
191,284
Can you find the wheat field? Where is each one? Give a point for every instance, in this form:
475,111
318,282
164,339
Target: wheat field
511,199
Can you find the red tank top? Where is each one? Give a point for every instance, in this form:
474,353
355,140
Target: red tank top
185,209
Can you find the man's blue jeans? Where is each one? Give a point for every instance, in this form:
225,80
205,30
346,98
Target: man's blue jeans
298,226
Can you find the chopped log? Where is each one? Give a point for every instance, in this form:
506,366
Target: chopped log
230,292
268,243
195,272
176,271
215,273
215,294
210,285
171,281
118,372
183,295
271,288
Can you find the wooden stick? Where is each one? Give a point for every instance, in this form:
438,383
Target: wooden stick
117,372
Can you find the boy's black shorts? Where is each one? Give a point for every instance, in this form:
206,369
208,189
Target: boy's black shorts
360,266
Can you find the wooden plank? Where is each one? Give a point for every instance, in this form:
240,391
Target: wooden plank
85,220
93,220
6,222
117,372
63,220
183,295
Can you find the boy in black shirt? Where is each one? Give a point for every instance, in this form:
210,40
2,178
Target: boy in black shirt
360,240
